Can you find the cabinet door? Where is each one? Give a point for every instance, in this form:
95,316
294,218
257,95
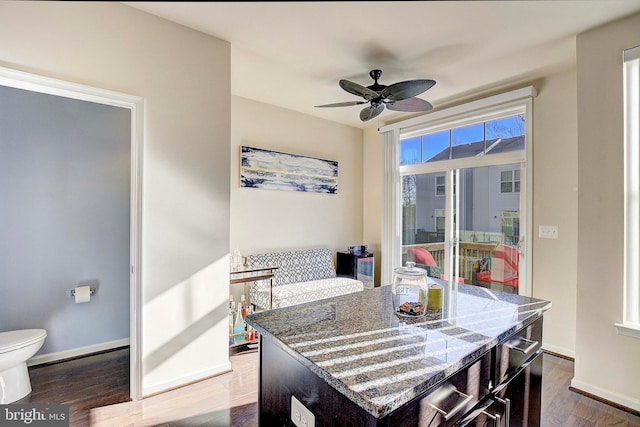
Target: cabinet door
517,350
520,397
445,405
515,403
489,414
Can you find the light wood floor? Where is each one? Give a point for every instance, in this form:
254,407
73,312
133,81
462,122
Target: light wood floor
231,400
226,400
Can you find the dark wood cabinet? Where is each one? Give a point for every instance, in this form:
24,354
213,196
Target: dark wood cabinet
521,395
282,376
516,398
448,402
352,361
500,388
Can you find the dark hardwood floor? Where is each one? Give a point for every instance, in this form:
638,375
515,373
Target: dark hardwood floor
103,379
563,407
83,383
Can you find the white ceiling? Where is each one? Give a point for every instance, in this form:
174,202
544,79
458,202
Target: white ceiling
292,54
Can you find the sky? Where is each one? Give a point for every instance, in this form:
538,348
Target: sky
434,143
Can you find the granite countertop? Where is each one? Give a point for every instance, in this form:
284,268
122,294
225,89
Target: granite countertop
380,361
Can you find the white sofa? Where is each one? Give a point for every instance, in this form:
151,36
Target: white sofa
302,276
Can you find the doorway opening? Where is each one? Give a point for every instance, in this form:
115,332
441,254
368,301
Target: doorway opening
61,151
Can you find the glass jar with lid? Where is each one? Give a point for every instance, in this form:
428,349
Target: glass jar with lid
410,290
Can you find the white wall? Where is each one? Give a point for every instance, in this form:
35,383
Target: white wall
184,78
267,220
607,364
65,188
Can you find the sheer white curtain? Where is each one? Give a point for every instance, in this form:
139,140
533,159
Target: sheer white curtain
391,226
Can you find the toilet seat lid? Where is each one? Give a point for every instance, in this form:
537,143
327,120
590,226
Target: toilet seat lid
13,340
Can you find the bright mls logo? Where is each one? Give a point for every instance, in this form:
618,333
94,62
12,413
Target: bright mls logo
34,415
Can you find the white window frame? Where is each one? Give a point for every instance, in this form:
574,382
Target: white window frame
514,102
630,325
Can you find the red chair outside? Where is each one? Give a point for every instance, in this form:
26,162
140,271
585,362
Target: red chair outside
505,265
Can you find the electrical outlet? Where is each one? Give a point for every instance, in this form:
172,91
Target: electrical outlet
548,232
300,415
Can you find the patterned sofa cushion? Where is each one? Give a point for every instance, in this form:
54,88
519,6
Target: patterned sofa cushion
299,293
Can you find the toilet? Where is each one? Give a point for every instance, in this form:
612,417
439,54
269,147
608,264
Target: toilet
16,347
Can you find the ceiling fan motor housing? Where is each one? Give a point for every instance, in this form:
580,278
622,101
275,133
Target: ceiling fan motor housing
375,75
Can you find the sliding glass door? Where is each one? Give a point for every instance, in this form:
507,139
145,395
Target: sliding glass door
464,224
463,203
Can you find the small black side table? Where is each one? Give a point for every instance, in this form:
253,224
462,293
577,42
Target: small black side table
356,266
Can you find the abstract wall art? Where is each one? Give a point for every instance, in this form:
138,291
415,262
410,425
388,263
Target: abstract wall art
260,168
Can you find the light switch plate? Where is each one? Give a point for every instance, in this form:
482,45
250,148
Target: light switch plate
548,232
300,415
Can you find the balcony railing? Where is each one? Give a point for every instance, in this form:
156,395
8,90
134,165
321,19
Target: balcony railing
471,253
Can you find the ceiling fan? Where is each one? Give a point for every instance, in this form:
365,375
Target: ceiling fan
399,96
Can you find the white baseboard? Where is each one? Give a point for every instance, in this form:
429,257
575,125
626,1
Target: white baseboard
75,352
606,394
559,350
182,381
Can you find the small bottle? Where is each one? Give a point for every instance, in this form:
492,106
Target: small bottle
244,306
251,310
250,330
231,340
238,328
236,262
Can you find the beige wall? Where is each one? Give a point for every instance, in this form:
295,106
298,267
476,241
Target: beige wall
267,220
607,364
372,169
184,78
555,202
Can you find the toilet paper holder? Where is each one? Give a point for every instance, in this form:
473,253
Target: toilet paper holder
92,291
79,293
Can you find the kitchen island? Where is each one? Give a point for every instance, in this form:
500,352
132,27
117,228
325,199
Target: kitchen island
351,361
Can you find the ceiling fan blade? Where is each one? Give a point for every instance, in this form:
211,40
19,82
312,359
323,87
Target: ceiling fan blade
341,104
410,105
359,90
371,112
407,89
